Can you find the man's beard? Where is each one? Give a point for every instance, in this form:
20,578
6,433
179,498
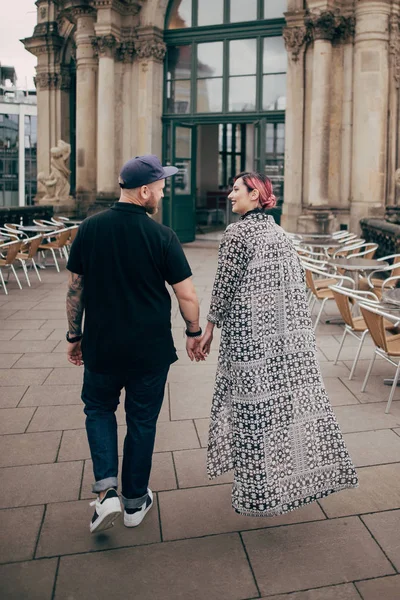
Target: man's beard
152,206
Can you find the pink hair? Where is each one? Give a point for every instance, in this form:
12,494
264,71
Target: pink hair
261,183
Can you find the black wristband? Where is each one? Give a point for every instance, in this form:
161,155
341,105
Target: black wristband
74,339
194,334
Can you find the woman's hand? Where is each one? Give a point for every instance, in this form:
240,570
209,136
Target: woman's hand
206,340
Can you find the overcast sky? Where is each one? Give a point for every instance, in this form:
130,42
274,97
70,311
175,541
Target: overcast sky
17,20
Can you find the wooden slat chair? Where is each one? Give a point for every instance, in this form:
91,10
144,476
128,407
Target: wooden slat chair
74,231
57,241
387,347
354,325
8,255
14,229
322,294
28,251
374,283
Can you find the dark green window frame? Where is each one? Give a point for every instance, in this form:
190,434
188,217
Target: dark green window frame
224,33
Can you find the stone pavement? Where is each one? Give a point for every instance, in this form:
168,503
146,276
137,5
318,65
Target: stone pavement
192,545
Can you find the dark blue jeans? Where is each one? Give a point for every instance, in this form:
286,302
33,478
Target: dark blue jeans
143,400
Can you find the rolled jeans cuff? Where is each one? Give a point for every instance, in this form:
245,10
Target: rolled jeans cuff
134,502
104,484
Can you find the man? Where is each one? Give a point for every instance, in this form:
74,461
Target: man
119,263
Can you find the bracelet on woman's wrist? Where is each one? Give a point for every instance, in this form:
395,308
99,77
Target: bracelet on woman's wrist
194,334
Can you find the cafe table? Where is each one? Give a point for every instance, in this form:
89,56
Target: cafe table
357,265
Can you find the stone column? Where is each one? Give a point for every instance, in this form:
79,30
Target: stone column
129,100
150,52
106,184
323,31
86,109
370,115
296,37
393,192
45,44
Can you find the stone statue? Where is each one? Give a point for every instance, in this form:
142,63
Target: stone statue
57,184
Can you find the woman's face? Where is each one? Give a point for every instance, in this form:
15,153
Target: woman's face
242,200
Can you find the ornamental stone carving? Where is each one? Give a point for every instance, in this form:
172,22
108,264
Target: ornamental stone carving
328,25
104,45
57,184
394,48
295,38
47,81
126,51
150,49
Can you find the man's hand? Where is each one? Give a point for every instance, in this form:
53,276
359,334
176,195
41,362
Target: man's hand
192,348
74,353
205,342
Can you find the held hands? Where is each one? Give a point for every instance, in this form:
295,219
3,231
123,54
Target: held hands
199,348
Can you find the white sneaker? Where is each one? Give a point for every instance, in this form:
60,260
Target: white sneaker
134,519
106,512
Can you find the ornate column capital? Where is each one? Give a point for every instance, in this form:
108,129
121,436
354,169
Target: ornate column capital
394,47
329,25
126,51
295,40
104,45
45,80
149,44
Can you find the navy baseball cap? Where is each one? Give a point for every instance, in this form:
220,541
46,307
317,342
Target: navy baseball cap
143,170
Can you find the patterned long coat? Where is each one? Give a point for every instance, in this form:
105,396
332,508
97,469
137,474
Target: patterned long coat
271,419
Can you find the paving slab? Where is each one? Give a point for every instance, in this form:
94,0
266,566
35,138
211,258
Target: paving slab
373,447
338,393
40,484
56,334
193,375
8,334
65,376
29,448
20,304
379,489
203,511
202,427
54,418
74,444
51,395
176,435
27,335
22,347
56,539
367,417
17,325
50,359
8,360
15,420
210,568
52,324
191,469
384,588
345,591
376,390
328,369
288,559
385,528
13,377
162,475
32,580
10,396
189,402
37,314
19,532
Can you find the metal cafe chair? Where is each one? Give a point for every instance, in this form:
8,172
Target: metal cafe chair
354,325
387,347
8,254
374,283
322,294
56,241
28,251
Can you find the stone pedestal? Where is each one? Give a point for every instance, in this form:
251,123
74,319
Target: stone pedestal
317,220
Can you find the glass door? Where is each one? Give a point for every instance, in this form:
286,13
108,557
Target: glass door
180,191
269,153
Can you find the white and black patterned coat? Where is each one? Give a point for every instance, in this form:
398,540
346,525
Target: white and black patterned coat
271,419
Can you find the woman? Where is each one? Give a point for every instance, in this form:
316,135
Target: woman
271,420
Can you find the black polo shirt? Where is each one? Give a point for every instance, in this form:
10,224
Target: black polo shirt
126,258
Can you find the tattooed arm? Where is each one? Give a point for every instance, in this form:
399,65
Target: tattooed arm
75,310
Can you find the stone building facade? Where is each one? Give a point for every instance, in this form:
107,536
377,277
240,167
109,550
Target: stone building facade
101,87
